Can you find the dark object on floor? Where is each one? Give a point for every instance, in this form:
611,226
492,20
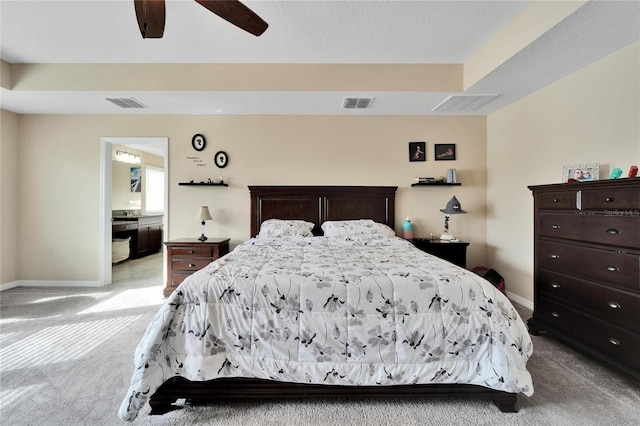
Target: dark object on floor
490,275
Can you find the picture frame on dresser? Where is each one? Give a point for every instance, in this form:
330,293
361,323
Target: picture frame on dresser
581,172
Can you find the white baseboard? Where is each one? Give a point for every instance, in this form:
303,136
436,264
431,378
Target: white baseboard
520,300
43,283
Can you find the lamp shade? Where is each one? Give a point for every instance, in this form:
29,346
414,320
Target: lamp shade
453,207
204,214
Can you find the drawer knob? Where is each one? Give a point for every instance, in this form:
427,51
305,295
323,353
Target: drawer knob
612,231
614,342
555,285
555,200
611,268
555,314
192,265
190,251
554,256
608,199
614,305
555,226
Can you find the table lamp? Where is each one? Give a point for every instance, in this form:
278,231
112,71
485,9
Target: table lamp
203,215
453,207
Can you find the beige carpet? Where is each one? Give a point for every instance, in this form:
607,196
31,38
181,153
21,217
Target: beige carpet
66,359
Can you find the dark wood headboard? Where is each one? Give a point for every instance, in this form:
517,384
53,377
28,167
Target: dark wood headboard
320,203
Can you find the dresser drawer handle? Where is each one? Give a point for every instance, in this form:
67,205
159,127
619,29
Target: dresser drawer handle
609,199
555,314
612,231
554,256
555,226
190,251
555,200
614,342
614,305
555,285
612,268
192,265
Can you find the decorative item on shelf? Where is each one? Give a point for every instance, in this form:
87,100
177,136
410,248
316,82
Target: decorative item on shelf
633,171
203,215
452,176
453,207
407,229
424,180
615,173
581,172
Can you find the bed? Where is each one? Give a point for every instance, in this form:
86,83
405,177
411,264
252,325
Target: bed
324,301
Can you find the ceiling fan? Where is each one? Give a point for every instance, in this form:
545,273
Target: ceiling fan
151,16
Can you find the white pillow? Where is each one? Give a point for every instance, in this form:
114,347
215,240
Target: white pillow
349,228
274,228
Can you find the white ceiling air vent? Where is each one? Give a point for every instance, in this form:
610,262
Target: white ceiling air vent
462,103
357,103
127,102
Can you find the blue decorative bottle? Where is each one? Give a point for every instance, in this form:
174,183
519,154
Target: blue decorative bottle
407,229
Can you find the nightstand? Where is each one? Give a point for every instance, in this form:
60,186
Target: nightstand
188,255
452,251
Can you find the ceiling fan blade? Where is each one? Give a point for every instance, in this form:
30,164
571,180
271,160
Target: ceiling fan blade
238,14
151,17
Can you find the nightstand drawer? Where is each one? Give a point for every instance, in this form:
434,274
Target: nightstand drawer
621,231
192,265
616,306
609,340
192,251
606,266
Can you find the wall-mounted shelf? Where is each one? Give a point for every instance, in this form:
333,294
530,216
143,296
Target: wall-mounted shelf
201,184
436,184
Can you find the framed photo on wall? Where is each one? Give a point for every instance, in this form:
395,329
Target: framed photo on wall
417,151
581,172
445,152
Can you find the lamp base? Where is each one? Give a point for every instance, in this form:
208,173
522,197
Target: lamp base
447,237
202,238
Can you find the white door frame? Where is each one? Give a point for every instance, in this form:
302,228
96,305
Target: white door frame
105,199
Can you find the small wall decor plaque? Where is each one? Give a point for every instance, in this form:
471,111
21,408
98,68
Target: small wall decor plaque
417,151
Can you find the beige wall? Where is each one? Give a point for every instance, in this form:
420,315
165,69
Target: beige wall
8,197
590,116
60,163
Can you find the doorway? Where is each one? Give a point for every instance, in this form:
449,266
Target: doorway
154,145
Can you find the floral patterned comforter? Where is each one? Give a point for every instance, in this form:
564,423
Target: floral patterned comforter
347,311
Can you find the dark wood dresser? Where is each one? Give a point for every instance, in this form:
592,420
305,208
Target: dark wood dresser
587,269
188,255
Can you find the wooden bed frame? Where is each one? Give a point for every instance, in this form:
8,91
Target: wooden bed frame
315,204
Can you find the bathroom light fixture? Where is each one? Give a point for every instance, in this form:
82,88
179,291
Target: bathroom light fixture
127,157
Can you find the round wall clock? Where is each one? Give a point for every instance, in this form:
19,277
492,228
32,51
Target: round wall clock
198,142
221,159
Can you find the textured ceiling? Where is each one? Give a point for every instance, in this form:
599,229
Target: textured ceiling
300,32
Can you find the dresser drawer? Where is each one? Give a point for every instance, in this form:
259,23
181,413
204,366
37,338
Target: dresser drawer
560,200
606,266
621,231
614,198
616,306
124,227
615,343
189,265
204,251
